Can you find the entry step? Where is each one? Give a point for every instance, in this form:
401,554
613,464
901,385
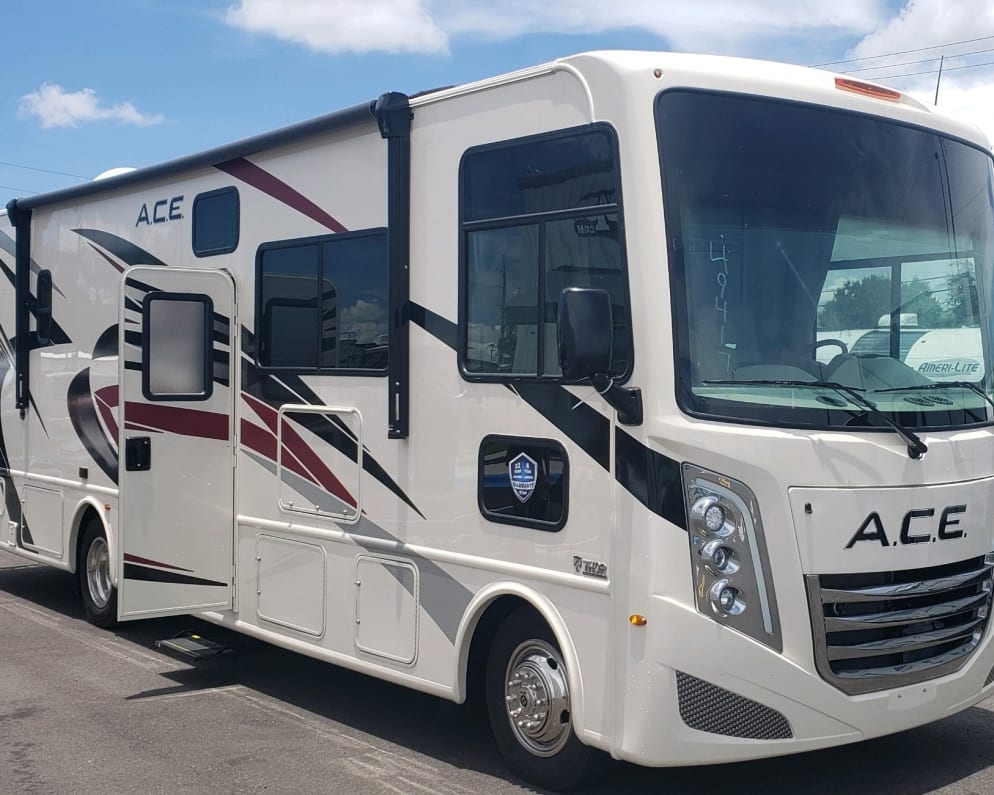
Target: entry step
195,646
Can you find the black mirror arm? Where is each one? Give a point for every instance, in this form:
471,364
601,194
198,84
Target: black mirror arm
627,401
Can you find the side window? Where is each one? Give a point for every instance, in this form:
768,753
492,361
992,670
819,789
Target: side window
177,346
523,481
538,215
322,304
215,222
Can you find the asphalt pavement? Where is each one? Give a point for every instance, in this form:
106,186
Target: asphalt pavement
85,710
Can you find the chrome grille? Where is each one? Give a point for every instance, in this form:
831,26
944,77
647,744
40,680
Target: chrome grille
889,629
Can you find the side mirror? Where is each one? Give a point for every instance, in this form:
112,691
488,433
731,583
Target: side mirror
586,332
586,339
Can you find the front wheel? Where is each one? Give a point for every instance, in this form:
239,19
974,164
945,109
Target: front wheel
93,572
528,702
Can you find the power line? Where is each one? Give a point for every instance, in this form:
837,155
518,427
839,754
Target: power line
42,170
931,71
913,63
17,190
905,52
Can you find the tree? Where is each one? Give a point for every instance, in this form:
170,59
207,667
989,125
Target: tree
963,305
860,303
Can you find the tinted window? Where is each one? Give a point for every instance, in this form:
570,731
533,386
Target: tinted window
215,222
177,347
289,307
523,481
323,303
538,215
815,246
538,175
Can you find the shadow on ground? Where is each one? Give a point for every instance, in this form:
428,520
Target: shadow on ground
922,760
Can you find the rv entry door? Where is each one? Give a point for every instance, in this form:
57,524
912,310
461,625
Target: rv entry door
178,348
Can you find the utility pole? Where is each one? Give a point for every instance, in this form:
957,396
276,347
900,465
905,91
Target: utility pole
941,59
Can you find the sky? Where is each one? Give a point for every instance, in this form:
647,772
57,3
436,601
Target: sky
90,86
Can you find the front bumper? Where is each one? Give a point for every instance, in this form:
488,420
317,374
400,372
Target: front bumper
656,733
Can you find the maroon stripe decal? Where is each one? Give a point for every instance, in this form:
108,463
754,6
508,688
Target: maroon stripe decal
106,400
302,452
257,439
145,561
250,173
185,422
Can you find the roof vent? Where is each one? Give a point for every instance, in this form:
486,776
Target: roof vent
114,172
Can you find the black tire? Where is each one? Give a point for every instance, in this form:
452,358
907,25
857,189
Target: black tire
546,751
93,576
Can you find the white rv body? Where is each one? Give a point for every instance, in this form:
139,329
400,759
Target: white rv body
275,502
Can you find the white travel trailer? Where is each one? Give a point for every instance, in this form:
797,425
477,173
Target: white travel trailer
519,385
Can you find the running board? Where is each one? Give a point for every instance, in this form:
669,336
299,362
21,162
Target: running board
194,646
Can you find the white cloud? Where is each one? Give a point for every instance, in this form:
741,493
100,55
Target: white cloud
426,26
682,24
336,26
957,24
56,107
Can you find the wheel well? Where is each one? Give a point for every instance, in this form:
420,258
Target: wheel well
86,515
479,649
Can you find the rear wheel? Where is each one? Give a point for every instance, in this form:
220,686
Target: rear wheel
528,702
93,572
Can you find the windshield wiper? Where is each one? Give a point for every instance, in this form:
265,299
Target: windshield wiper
942,385
916,447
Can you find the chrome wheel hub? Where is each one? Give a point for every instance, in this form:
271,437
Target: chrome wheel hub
536,694
98,572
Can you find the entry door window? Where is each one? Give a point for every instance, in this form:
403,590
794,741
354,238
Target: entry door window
177,347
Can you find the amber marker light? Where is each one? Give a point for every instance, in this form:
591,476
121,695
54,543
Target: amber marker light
637,620
867,89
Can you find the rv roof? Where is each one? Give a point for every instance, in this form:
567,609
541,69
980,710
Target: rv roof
714,71
347,117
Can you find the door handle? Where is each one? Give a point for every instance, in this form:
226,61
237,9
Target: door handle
138,453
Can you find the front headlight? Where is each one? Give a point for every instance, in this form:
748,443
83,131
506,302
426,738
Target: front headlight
732,580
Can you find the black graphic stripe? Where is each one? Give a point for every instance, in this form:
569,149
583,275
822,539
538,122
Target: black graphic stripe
110,261
584,426
124,250
8,245
652,478
133,571
439,327
222,368
83,415
107,343
57,335
330,429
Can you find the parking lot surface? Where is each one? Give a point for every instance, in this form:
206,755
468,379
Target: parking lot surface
85,710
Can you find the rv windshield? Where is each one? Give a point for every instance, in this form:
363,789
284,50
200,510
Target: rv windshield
813,246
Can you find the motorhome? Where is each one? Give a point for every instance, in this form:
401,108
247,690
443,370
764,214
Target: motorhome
555,387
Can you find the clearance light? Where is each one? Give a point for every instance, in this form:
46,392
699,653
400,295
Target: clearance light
637,620
867,89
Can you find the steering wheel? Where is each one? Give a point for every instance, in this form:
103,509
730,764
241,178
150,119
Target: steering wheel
832,341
